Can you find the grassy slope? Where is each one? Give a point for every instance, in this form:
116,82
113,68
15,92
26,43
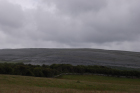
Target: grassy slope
68,84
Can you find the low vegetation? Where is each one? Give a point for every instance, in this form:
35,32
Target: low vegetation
68,84
66,79
60,69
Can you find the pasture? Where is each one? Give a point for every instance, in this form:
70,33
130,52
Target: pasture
68,84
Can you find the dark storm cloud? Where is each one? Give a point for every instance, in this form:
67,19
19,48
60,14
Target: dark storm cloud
109,24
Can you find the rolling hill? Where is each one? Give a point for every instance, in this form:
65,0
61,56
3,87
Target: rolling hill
39,56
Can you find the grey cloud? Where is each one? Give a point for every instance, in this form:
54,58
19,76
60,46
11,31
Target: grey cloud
76,7
104,25
11,15
109,24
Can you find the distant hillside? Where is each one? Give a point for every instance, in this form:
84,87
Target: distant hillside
71,56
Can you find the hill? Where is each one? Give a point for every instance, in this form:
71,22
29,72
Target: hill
39,56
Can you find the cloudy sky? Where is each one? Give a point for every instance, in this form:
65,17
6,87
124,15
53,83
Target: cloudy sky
103,24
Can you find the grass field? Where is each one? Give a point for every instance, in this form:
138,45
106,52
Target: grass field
68,84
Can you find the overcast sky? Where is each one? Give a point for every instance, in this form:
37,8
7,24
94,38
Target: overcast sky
103,24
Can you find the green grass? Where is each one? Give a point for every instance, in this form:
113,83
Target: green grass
106,83
68,84
101,79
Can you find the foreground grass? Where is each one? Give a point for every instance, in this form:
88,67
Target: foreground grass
68,84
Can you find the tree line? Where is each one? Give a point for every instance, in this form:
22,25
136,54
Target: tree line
57,69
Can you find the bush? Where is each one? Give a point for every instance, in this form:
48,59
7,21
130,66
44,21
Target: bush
56,69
